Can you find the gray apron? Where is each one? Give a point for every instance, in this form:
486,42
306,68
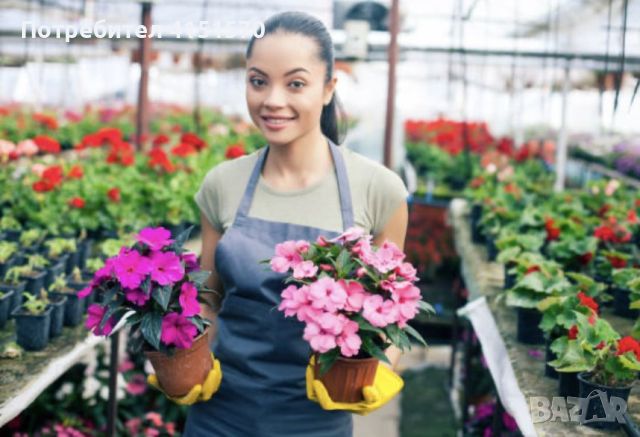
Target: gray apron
262,354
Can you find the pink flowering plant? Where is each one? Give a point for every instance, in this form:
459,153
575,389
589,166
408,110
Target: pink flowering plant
355,299
158,285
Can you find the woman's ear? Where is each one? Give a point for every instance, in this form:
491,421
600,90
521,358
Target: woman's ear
329,90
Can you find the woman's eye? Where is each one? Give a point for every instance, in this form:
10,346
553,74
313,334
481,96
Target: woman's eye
255,81
297,84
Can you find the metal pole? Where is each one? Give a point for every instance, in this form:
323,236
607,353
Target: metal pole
142,116
561,153
112,406
391,84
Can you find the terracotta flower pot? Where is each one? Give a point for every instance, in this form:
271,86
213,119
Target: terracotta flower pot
178,373
346,378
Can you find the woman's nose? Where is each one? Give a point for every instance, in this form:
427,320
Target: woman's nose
275,98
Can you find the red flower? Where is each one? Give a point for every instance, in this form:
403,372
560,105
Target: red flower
160,159
600,345
628,344
52,176
604,209
235,151
75,172
585,258
77,202
42,186
553,232
617,262
160,140
532,269
114,194
573,333
193,139
612,232
47,144
477,182
46,120
121,153
592,318
587,301
184,149
632,217
103,137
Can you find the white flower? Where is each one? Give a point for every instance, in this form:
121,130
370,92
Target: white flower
148,368
104,393
90,387
65,390
491,168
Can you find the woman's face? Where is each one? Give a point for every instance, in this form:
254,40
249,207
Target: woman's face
286,86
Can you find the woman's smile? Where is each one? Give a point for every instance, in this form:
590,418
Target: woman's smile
273,122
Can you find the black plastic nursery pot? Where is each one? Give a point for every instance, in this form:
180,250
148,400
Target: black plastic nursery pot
55,269
32,331
85,247
528,330
476,231
549,355
492,250
5,266
568,384
602,403
5,305
72,262
509,279
57,305
35,282
16,298
11,235
73,307
621,303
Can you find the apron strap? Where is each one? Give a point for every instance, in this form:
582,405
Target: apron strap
346,207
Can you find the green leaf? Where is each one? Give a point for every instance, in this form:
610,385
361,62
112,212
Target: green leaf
184,236
628,362
151,327
532,281
370,347
327,359
426,307
415,334
199,277
162,295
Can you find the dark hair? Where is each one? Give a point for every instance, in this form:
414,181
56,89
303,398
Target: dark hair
332,126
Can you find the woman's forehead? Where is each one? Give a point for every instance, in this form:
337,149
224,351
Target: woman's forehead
280,53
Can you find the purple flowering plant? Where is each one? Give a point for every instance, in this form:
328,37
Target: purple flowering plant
157,285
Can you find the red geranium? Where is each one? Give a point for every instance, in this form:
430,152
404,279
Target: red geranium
617,262
47,144
532,269
612,232
75,172
235,151
121,153
553,232
103,137
585,258
114,194
573,333
158,158
160,140
46,120
77,202
587,301
632,217
193,139
184,149
628,344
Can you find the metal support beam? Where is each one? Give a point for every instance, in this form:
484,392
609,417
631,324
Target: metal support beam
561,153
142,113
391,84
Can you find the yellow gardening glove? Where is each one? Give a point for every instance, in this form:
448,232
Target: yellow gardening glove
385,386
199,392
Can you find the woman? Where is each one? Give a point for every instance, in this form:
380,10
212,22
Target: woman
300,186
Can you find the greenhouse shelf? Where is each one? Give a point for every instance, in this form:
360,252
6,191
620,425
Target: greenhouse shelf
23,379
521,369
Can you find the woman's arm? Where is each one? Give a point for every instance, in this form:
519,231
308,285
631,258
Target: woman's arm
210,238
395,231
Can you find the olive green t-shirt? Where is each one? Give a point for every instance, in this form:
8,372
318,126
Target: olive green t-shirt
376,193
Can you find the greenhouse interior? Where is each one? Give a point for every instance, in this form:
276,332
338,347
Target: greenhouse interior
437,203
